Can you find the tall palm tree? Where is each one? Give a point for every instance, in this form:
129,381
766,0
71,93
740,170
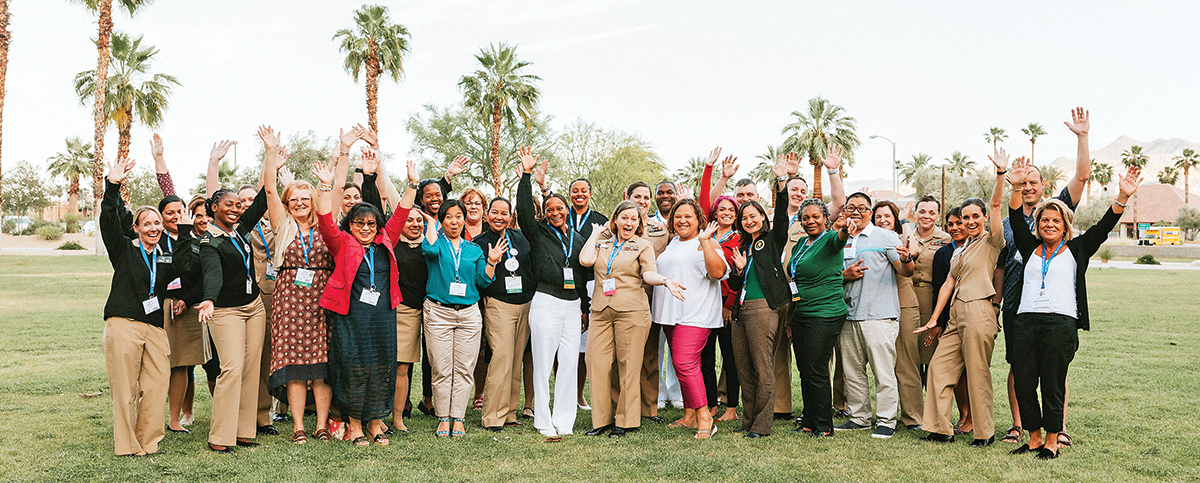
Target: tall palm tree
72,164
824,125
1033,130
5,38
499,91
1185,162
761,174
379,45
910,170
1168,175
960,163
1133,157
690,173
1102,173
1051,177
132,93
995,136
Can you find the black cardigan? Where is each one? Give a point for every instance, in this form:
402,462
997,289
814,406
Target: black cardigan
224,268
546,251
1082,248
131,277
767,256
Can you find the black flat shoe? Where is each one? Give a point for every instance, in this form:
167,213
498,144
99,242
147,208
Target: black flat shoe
753,435
979,443
247,444
801,429
1045,454
826,434
227,449
939,438
426,410
494,429
281,417
1024,449
783,416
654,418
630,430
182,431
598,431
616,432
268,430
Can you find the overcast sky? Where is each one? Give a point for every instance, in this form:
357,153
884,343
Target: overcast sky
685,76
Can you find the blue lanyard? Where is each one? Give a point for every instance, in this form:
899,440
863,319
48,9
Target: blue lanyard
371,264
954,244
568,246
726,237
153,267
794,218
454,255
616,249
1047,257
579,224
170,248
802,250
264,240
303,246
510,245
237,240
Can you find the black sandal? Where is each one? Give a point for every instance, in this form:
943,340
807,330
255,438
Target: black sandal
1014,439
361,441
1024,449
1067,442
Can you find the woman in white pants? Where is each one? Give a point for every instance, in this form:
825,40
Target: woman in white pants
555,315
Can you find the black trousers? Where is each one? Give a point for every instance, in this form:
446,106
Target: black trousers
708,367
813,339
1043,347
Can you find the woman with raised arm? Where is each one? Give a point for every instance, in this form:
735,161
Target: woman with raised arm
621,261
458,271
970,336
724,212
362,293
136,348
1053,304
300,354
556,312
941,270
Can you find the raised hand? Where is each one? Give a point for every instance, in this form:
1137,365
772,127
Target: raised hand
539,174
347,139
495,252
414,174
708,231
597,229
794,164
219,149
269,138
713,156
281,161
851,224
185,217
1000,159
729,167
324,172
1079,122
685,191
1021,168
457,166
119,169
369,161
156,146
285,175
1130,181
854,272
371,137
902,249
528,160
675,288
833,157
739,260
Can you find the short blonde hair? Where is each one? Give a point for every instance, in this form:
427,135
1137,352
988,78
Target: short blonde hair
138,213
622,207
287,193
483,199
1063,210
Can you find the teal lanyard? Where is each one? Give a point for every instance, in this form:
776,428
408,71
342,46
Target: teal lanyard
803,250
616,249
1047,256
237,245
371,264
726,237
454,255
303,246
579,224
153,267
170,247
567,246
264,240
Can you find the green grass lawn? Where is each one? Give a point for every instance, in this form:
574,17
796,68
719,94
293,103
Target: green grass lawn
1133,412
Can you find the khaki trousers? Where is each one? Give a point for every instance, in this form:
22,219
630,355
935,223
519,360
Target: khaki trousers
926,300
452,340
966,345
615,348
264,416
783,363
506,327
648,378
908,367
237,332
137,356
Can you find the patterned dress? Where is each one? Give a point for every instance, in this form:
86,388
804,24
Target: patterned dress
299,332
362,347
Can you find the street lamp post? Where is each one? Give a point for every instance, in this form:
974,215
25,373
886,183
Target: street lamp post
895,185
235,143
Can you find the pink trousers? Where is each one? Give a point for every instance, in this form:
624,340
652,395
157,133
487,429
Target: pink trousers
686,344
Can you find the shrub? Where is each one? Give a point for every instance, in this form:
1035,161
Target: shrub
1147,259
71,220
9,226
71,245
38,223
49,232
1106,254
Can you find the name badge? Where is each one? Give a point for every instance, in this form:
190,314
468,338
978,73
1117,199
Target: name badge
369,297
150,305
848,252
458,289
304,277
512,284
163,259
568,278
1041,302
610,286
270,272
249,286
175,284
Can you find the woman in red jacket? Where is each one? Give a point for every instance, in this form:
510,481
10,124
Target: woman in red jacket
363,293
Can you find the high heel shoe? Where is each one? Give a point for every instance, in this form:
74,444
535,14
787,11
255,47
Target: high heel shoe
456,433
442,434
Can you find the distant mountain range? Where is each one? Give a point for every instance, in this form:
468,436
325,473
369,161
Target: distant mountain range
1160,151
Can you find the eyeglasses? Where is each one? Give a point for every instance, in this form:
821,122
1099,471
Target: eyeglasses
362,224
856,209
297,200
473,203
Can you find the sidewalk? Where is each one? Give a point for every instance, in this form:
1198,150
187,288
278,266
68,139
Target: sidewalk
1130,265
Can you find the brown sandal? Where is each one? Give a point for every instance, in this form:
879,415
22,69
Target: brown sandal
1064,439
381,439
1009,437
321,434
299,437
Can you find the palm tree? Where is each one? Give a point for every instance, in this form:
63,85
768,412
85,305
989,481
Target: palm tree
131,91
5,38
378,44
496,91
1186,162
1168,175
1102,173
960,163
761,174
1051,177
824,125
1033,130
995,135
690,173
910,170
72,164
1133,157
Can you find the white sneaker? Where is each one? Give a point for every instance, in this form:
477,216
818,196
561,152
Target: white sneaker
678,403
585,407
662,403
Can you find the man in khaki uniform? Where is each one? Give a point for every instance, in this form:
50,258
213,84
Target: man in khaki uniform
659,236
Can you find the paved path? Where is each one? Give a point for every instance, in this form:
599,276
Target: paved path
1131,265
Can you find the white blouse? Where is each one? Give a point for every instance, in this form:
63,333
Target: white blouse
683,262
1059,294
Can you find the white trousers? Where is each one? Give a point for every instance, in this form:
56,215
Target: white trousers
668,383
554,330
871,342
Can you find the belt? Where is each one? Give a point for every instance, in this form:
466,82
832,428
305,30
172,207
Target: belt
922,284
455,307
324,269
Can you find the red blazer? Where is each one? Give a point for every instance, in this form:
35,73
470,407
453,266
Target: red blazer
348,255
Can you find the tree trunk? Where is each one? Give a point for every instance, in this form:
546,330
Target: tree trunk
1031,145
496,147
816,179
1186,189
102,48
1087,193
5,38
73,194
372,62
123,140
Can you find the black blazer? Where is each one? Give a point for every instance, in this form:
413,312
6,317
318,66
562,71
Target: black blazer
1082,248
768,251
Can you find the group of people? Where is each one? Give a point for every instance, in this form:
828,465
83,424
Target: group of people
326,296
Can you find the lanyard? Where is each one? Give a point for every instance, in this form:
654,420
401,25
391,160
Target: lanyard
794,218
170,247
579,223
749,265
455,255
371,264
306,247
616,249
802,250
237,240
568,246
954,244
511,248
153,267
726,237
1047,257
264,240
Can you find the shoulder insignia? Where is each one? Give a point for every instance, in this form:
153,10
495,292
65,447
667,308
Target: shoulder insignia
758,245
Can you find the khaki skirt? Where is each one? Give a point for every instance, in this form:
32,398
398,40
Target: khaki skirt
408,334
183,333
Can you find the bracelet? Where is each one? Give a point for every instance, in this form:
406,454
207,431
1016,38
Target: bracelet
413,185
1001,173
1122,205
832,171
781,178
324,187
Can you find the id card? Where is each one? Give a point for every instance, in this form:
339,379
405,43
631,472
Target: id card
270,272
175,284
568,278
249,286
610,287
163,259
151,305
1041,302
795,291
304,277
512,284
458,289
848,252
369,297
